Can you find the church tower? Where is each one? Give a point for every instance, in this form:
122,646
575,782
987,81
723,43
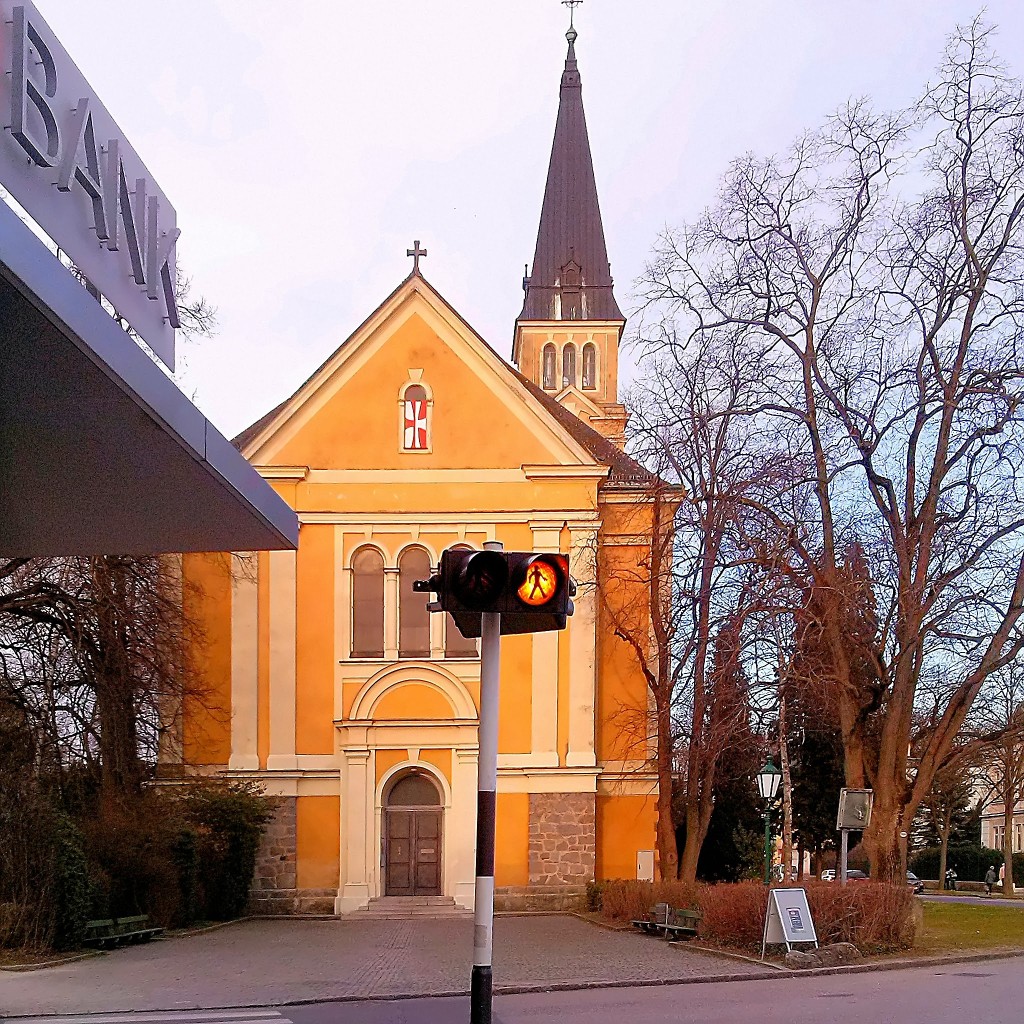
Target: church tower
567,335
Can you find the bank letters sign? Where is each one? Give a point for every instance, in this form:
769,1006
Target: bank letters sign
64,159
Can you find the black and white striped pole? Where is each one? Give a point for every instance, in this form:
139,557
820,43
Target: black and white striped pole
487,784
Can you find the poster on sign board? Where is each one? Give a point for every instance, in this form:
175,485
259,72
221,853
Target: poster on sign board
788,919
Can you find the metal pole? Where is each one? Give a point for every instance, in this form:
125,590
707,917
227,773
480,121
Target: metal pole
843,843
767,843
487,783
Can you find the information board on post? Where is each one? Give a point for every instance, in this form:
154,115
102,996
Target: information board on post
788,919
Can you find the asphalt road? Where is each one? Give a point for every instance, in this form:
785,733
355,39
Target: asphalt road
991,991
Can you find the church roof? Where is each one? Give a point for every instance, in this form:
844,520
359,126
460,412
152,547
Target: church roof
571,231
623,470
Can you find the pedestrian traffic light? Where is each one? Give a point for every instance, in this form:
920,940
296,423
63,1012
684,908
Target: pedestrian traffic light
531,590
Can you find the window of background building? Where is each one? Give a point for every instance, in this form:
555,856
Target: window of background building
548,370
590,366
413,617
368,604
569,366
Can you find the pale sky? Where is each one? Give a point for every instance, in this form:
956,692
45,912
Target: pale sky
307,143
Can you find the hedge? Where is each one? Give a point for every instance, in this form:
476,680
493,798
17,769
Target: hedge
969,862
875,917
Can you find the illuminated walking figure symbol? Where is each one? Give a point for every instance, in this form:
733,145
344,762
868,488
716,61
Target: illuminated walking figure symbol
540,584
536,583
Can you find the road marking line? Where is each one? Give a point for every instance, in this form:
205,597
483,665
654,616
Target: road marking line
227,1016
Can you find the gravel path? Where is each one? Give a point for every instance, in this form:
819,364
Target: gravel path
277,962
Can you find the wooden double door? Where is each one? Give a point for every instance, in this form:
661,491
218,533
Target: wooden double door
412,851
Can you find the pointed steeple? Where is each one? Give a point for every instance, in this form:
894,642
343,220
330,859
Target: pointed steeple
571,277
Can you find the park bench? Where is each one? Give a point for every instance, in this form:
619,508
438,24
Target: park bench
673,923
119,931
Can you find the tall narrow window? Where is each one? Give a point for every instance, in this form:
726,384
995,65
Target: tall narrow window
548,371
590,366
569,366
413,617
455,644
415,419
368,604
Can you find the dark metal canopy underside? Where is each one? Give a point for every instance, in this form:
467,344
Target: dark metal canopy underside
100,453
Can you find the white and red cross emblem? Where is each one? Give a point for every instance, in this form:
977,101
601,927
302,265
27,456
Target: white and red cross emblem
415,424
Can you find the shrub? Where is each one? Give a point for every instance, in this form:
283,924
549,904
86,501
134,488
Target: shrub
130,850
874,917
733,914
625,900
185,853
70,884
229,819
969,862
595,891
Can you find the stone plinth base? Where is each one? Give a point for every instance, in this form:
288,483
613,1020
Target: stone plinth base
552,898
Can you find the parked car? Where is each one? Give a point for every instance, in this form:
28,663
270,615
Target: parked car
853,875
915,883
828,875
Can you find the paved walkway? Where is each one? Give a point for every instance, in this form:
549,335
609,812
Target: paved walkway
270,963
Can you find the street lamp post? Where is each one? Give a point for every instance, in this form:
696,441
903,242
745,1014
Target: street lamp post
768,779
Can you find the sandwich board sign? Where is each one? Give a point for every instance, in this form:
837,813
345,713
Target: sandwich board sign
788,919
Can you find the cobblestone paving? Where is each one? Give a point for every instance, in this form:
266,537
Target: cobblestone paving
274,962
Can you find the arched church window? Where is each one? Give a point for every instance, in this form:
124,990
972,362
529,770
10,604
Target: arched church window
455,644
590,366
548,368
367,604
569,366
413,617
415,419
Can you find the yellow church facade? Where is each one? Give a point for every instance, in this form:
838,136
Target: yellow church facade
326,679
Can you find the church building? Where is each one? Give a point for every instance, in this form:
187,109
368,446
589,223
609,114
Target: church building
326,679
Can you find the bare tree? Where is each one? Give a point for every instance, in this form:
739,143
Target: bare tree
94,658
889,330
686,423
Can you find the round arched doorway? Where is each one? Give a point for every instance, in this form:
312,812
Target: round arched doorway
412,835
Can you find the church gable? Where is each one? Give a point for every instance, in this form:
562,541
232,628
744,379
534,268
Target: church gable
413,388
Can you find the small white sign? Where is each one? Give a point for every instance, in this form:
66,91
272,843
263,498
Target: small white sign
788,919
66,161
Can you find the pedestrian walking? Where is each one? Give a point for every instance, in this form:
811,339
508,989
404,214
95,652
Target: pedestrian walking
990,878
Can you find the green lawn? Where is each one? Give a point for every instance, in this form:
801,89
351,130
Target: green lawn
952,927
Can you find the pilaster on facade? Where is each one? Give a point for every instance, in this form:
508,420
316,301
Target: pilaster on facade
282,614
244,664
583,651
354,889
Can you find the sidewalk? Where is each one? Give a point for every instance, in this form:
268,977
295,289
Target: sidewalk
272,963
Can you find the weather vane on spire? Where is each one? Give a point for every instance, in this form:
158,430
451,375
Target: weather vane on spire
572,5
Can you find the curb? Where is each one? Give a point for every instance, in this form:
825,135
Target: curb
58,962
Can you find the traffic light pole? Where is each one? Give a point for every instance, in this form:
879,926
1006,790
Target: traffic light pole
487,784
